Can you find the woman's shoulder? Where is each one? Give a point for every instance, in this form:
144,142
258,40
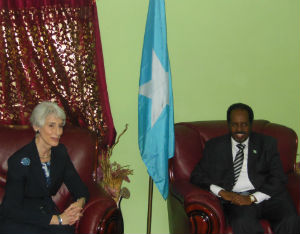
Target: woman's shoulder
22,156
60,149
26,149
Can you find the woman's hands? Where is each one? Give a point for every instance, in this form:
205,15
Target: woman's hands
80,202
71,215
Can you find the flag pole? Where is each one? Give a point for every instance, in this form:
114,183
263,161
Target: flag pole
150,196
155,103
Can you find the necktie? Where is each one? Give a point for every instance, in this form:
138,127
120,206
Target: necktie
238,162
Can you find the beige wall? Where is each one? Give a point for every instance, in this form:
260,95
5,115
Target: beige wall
221,51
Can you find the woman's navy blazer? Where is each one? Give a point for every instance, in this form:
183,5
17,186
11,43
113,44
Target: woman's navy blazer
27,198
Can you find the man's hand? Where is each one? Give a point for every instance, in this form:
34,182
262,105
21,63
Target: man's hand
242,200
227,196
236,199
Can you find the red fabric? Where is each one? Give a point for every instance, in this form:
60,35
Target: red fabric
51,50
101,82
21,4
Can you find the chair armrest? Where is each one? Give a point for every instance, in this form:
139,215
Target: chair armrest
101,214
293,187
202,207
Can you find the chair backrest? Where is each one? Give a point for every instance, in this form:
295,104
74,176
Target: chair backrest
80,143
190,138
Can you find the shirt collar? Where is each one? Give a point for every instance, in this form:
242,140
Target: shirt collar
234,142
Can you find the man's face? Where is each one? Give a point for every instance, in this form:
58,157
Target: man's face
239,125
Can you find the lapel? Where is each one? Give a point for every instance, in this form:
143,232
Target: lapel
230,158
228,151
55,163
37,170
227,162
253,154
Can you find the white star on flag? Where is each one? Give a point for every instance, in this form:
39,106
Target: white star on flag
157,88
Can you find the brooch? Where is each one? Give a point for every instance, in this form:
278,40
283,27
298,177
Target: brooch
25,161
254,151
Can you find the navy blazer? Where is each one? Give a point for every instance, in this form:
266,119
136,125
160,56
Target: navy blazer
27,199
264,166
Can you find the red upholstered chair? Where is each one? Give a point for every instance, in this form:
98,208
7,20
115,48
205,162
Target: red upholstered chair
193,210
101,214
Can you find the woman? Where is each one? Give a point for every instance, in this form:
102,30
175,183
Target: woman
35,173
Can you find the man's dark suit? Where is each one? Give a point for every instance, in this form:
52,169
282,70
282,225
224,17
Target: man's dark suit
27,199
264,168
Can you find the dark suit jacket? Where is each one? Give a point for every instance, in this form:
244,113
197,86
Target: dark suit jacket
27,198
264,166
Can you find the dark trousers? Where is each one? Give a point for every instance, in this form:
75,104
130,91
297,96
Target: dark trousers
279,211
10,227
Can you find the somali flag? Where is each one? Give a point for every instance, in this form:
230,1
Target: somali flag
156,115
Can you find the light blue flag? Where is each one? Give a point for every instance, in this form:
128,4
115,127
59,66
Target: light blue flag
156,117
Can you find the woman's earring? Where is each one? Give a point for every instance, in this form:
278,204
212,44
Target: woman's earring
37,132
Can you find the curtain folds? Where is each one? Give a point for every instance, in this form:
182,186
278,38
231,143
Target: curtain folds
51,50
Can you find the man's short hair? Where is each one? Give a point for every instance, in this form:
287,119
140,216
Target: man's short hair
240,106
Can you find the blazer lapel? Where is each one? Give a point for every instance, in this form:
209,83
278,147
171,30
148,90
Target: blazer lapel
228,152
37,168
228,163
53,168
253,154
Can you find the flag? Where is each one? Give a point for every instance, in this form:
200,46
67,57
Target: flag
155,107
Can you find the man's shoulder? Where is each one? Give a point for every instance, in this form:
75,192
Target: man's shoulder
218,140
255,136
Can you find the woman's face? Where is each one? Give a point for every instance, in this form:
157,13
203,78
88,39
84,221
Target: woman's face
51,132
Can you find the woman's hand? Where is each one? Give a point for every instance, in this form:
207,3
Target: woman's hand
71,215
79,203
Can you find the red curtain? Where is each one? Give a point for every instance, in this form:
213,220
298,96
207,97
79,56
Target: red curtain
51,50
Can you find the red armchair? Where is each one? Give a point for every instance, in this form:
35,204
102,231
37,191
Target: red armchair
101,214
193,210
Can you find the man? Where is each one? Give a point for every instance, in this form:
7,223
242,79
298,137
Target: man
244,170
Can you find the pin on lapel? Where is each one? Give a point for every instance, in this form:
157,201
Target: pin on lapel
25,161
254,151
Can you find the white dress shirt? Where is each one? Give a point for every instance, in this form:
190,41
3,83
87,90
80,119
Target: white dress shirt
243,183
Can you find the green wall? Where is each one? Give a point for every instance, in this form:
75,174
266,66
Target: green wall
221,51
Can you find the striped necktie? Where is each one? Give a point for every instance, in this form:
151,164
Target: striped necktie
238,162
